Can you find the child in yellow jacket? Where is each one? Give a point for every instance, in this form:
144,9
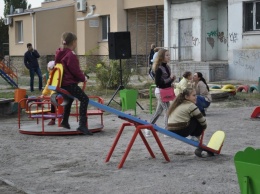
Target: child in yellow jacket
184,83
47,92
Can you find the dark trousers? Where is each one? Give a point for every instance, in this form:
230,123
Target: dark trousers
36,70
193,129
78,93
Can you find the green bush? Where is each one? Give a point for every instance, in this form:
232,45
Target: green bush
108,75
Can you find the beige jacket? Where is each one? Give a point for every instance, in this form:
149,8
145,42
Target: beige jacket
180,117
201,89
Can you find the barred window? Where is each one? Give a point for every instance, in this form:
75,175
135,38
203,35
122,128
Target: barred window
251,16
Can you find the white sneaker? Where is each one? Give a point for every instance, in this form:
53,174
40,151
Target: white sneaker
194,138
147,133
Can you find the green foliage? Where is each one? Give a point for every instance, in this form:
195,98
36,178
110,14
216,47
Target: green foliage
4,35
88,54
108,76
15,3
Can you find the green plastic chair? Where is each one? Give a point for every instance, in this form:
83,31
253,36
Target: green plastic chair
128,99
248,167
151,96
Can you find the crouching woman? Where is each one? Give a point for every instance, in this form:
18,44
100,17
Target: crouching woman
184,117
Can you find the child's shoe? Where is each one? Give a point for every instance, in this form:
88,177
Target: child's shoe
52,122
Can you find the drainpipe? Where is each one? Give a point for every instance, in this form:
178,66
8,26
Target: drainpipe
33,30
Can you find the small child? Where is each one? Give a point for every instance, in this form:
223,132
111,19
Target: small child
47,92
184,83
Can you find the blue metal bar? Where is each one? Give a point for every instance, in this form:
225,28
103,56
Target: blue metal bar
130,117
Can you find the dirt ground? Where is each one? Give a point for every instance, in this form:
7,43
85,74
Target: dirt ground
76,164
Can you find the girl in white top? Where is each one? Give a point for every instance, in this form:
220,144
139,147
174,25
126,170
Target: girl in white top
163,79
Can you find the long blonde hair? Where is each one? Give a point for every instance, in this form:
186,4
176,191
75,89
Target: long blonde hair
159,59
179,99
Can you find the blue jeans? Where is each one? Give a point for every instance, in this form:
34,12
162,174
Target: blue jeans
36,70
202,103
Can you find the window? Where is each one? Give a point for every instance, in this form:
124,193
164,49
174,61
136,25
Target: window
252,16
105,27
19,31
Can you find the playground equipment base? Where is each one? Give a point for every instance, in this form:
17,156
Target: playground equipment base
36,129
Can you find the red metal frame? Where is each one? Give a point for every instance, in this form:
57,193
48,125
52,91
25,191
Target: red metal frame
205,148
138,130
59,112
35,103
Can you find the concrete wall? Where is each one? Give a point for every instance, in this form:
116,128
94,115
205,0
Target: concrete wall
210,32
16,48
245,64
244,47
209,28
211,71
223,30
186,11
48,29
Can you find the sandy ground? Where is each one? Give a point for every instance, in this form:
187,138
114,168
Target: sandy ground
76,164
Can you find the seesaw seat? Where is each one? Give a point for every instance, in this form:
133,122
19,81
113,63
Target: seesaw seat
214,145
256,112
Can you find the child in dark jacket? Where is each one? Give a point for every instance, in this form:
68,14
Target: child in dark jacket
72,75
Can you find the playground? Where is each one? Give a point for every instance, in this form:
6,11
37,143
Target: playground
36,160
76,163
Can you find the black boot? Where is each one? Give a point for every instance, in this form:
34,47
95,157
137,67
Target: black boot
82,126
65,124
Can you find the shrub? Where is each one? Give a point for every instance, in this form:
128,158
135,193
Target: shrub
108,75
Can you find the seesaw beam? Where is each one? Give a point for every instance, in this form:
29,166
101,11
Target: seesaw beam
129,117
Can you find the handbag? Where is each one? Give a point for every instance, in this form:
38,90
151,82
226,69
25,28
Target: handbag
167,94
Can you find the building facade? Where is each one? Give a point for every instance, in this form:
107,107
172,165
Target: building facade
90,20
216,37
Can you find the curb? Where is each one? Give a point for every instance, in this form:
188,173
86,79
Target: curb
9,183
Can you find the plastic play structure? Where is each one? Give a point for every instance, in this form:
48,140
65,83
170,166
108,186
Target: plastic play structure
38,108
247,165
226,88
214,146
128,99
60,98
256,113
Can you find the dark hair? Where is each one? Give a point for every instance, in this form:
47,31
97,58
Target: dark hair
186,74
29,44
67,38
179,99
202,79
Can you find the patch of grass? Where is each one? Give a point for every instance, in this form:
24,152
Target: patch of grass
6,94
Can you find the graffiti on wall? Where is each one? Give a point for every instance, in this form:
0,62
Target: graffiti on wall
247,60
195,41
211,41
233,37
212,33
222,38
219,35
